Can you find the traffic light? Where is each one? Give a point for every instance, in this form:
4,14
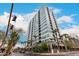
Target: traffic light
40,41
14,18
11,27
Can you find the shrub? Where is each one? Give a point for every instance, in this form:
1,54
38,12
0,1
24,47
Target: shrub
42,47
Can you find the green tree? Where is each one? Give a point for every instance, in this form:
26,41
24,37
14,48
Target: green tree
1,35
14,38
42,47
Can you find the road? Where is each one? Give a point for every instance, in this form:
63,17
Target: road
17,54
73,53
14,54
76,53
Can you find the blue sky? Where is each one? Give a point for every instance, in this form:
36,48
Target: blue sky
30,7
24,8
67,14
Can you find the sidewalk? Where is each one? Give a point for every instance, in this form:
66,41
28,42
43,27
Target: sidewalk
55,54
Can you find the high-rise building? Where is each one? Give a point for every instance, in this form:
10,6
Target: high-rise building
43,28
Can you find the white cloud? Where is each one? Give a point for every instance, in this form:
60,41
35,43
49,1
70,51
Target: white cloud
36,10
74,29
65,19
55,10
21,21
73,15
5,13
4,18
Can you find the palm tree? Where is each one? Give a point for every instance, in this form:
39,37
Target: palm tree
14,38
1,35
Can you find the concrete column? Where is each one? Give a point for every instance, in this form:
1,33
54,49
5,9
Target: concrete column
52,50
58,51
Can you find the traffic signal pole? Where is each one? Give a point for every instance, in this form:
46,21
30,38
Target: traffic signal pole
7,26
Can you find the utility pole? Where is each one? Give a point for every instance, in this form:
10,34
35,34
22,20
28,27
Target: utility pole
7,26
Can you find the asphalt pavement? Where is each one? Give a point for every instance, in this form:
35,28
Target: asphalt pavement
73,53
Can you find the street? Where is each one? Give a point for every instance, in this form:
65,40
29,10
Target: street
17,54
74,53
